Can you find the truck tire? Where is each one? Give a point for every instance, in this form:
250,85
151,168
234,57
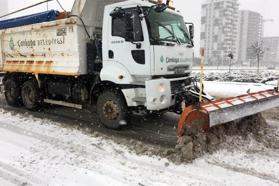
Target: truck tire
112,109
30,94
12,93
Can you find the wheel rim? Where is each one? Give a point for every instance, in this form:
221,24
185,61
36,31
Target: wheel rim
111,110
28,95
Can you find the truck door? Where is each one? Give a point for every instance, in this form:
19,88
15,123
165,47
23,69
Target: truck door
128,44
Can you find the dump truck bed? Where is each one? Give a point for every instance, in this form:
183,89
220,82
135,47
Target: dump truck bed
56,47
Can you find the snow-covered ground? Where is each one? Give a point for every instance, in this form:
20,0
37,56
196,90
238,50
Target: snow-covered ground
240,76
229,89
41,152
233,68
228,84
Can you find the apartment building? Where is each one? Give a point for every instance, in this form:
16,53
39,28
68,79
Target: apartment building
250,31
271,51
219,30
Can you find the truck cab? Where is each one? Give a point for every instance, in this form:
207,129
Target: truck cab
149,48
123,56
147,52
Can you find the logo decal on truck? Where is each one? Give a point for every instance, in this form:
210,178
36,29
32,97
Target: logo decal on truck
30,43
12,44
174,60
177,60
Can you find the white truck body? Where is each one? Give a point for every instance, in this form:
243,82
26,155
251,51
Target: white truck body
160,61
45,48
59,48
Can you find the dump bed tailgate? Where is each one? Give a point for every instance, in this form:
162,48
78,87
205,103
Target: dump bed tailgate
57,47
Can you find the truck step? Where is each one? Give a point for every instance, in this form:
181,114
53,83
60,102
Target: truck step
139,99
63,103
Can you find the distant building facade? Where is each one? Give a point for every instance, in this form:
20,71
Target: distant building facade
250,31
219,27
271,54
3,7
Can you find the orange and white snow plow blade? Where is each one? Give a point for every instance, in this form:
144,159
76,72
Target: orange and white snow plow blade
210,114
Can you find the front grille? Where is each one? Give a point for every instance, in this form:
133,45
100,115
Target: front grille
180,86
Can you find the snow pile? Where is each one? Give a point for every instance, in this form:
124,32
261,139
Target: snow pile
198,142
229,84
230,89
272,83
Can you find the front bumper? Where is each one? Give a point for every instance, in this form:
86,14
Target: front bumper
163,93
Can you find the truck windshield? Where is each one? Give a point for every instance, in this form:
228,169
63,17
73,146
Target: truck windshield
166,27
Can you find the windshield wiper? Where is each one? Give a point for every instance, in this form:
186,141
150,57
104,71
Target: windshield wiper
171,33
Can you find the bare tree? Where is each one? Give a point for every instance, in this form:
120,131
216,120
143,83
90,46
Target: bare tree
258,51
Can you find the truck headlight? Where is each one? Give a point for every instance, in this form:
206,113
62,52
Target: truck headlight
162,88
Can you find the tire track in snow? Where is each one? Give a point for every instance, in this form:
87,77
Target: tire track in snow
13,179
47,139
246,171
79,150
19,173
143,130
16,177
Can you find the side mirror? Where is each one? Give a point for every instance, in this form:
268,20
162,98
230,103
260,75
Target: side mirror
191,31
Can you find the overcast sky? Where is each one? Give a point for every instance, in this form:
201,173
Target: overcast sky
190,9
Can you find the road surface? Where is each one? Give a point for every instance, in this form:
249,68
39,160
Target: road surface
58,147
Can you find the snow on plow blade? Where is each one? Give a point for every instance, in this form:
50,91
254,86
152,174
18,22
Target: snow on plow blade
210,114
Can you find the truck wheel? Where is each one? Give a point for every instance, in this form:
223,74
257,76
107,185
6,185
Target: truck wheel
112,109
30,94
12,93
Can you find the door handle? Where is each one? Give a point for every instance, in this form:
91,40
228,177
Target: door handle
110,54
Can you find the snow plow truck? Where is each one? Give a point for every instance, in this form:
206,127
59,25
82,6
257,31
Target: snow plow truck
121,56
